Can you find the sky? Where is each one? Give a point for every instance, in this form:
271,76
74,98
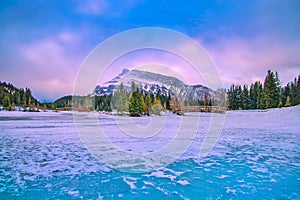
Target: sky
44,43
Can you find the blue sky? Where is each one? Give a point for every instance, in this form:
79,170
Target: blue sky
43,43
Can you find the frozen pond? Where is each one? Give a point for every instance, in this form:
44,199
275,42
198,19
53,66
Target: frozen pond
256,157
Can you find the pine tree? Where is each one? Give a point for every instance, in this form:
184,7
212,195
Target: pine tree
24,102
107,103
239,97
6,102
121,99
206,99
168,106
148,104
155,102
12,106
245,98
252,97
297,101
271,91
261,97
296,91
210,103
280,104
286,92
18,99
257,94
29,100
136,103
293,93
288,102
268,95
278,88
230,98
133,87
141,103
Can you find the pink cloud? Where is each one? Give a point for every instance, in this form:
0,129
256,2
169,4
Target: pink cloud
143,59
242,61
50,64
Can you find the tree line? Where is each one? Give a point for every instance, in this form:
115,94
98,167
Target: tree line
134,101
269,94
138,102
11,97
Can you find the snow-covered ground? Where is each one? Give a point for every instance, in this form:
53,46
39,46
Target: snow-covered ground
43,157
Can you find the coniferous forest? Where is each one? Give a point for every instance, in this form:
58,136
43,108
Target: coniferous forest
11,96
269,94
139,102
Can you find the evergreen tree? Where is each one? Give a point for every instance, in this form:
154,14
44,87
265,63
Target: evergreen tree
16,95
286,92
141,103
133,87
6,102
261,97
230,98
152,98
206,100
287,102
12,106
245,98
297,96
238,95
12,96
295,92
168,106
278,87
155,102
24,102
252,97
136,103
108,107
158,95
18,99
268,95
121,99
271,91
280,104
148,104
29,100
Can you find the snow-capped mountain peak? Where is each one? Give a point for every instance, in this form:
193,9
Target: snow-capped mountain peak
152,83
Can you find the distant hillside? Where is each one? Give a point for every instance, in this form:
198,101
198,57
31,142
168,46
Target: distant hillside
12,96
66,101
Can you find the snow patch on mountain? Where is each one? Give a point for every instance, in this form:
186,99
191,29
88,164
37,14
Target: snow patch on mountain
152,83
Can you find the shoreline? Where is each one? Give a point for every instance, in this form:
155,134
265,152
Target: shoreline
55,112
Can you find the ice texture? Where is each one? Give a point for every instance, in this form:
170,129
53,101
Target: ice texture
256,157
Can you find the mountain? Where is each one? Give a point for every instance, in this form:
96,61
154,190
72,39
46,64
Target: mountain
152,83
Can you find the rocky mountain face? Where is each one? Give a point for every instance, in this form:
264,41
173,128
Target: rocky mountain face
152,83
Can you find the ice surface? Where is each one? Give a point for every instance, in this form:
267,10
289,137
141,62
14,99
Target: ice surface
257,156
